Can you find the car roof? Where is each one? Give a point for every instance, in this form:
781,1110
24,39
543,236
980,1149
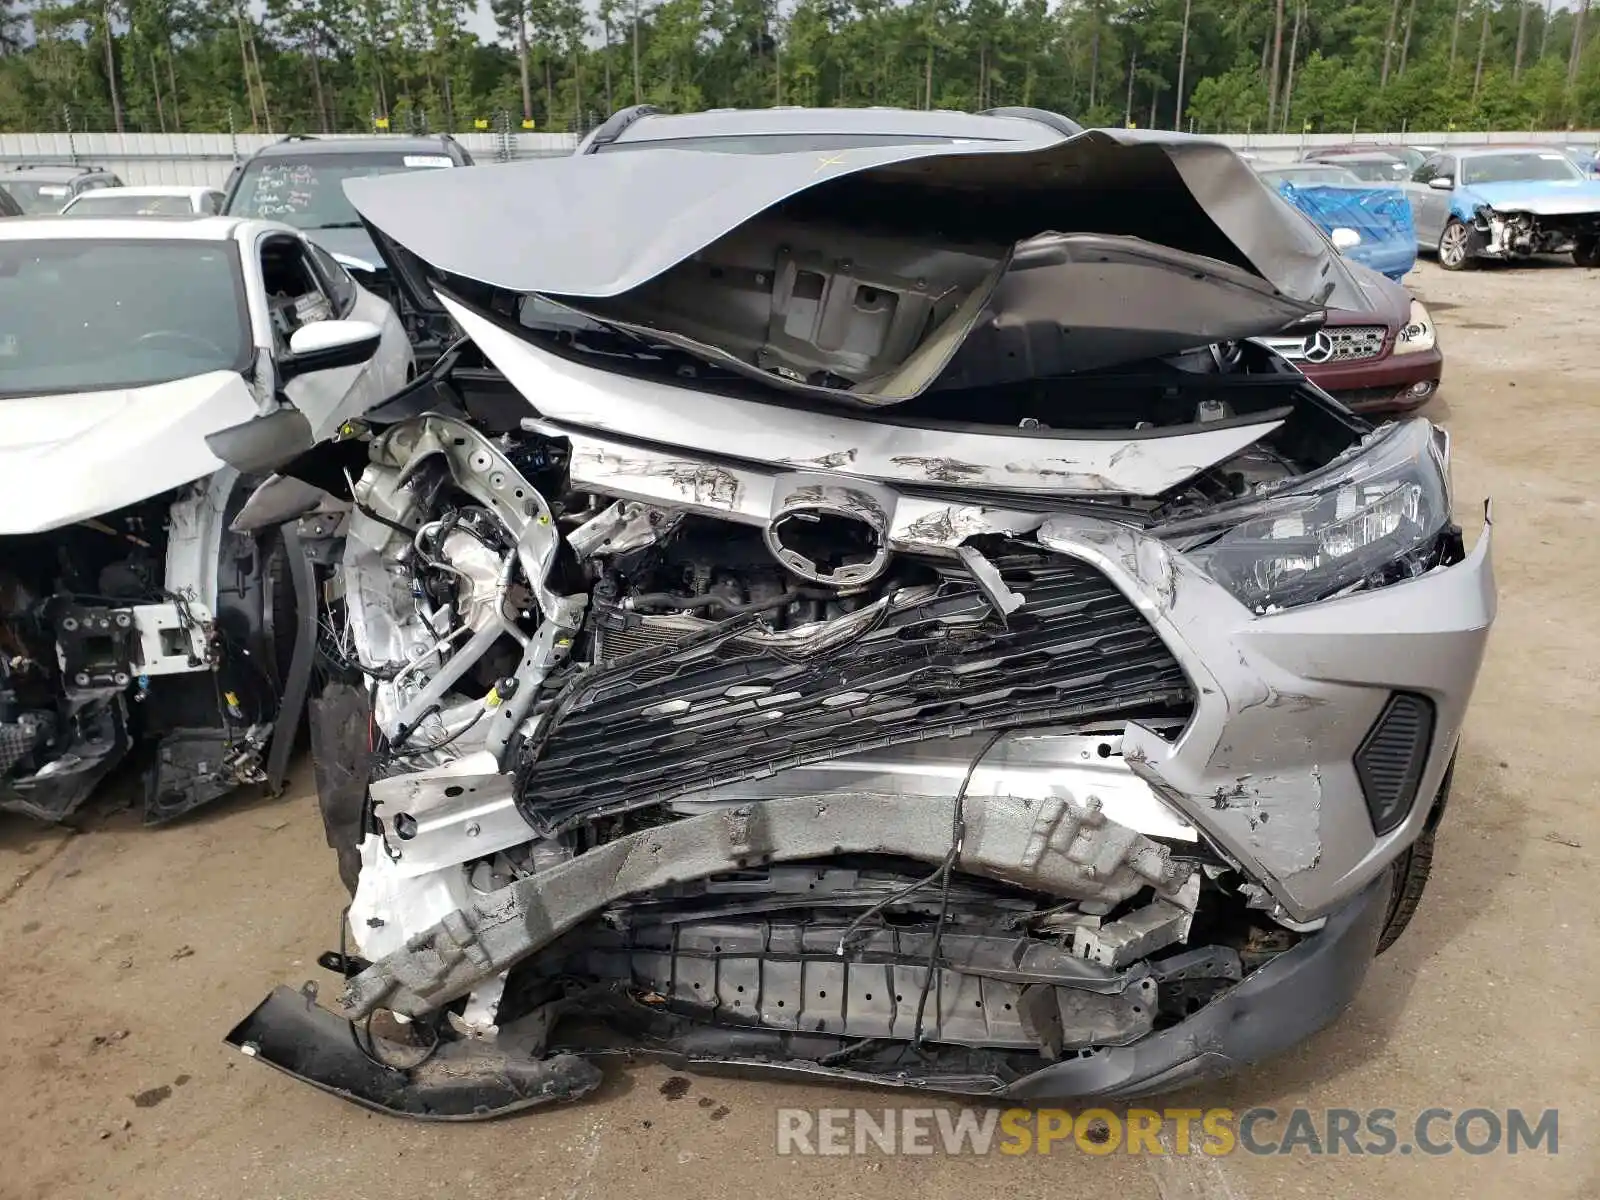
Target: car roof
1507,148
50,172
733,122
187,229
305,145
1370,156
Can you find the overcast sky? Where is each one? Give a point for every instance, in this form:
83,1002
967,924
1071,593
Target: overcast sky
481,22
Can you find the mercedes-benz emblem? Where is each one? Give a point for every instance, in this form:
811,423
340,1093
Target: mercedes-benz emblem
1319,347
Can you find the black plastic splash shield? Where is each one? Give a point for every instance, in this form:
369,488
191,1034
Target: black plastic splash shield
463,1081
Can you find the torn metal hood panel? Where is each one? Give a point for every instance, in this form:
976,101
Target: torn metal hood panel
586,402
864,274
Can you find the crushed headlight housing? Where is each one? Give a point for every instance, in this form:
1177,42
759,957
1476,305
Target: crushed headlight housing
1373,516
1418,333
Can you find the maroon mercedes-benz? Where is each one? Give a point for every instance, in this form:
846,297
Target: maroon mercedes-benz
1378,351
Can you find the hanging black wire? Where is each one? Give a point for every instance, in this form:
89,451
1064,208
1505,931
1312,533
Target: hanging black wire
369,1047
958,835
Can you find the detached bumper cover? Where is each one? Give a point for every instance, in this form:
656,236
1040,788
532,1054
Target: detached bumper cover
463,1081
1293,996
1277,1006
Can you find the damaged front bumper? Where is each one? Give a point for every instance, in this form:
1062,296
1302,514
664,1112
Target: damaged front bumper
1513,234
1277,1006
1270,764
1269,769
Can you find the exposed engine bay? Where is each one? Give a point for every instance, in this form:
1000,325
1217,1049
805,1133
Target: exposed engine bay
852,678
1520,234
151,622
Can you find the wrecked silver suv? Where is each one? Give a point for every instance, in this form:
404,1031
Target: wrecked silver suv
866,614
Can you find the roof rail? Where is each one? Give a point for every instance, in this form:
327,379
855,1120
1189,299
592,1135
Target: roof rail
611,128
80,168
1043,116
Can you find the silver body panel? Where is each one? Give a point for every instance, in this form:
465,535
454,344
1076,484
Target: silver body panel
1263,767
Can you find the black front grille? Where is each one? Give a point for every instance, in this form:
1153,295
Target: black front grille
727,705
1391,759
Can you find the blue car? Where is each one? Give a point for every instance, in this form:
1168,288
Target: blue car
1505,202
1369,222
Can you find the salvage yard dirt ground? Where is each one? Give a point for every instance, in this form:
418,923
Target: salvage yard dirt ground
126,954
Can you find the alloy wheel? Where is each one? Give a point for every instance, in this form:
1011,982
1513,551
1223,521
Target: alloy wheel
1453,246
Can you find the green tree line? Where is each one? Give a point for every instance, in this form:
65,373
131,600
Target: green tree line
1212,65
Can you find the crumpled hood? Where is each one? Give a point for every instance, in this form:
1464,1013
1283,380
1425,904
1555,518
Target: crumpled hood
601,225
68,457
1542,197
864,275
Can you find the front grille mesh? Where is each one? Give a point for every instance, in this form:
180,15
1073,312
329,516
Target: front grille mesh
1333,344
1352,342
729,705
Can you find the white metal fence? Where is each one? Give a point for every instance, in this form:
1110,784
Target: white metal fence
1286,147
207,158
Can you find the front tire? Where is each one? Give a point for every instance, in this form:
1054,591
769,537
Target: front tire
1455,247
1586,252
1411,871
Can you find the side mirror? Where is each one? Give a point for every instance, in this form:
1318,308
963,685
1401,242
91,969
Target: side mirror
1344,238
324,345
1441,183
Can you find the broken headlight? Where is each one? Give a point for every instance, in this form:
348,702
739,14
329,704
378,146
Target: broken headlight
1373,516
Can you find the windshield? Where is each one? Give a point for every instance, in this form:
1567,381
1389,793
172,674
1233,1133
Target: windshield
113,203
1300,176
36,198
308,192
83,314
780,143
1518,167
1378,170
